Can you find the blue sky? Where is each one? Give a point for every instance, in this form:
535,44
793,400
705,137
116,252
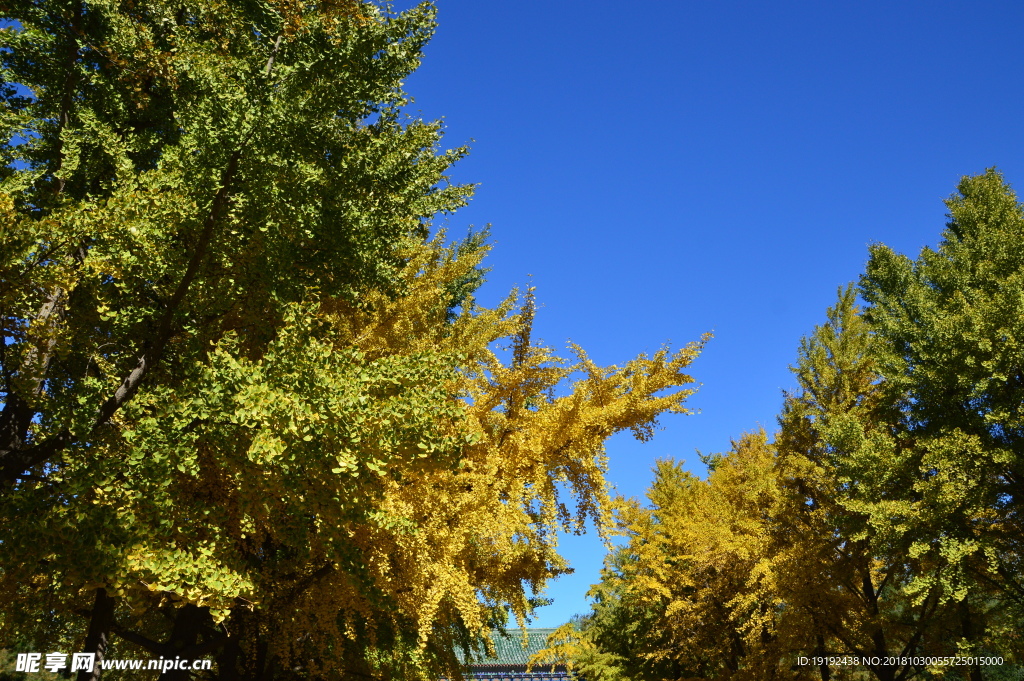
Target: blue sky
666,169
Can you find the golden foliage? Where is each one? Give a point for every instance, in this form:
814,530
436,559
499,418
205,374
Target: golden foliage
375,487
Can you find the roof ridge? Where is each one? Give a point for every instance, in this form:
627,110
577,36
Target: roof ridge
509,649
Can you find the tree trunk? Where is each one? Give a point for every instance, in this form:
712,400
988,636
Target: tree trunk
98,637
967,631
820,651
884,672
184,636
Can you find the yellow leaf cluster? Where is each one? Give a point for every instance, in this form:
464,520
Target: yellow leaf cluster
384,482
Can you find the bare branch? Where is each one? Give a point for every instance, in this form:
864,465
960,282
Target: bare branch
270,62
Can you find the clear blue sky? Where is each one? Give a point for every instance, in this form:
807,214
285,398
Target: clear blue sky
666,169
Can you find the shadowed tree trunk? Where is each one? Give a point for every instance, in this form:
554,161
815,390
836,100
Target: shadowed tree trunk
98,637
184,637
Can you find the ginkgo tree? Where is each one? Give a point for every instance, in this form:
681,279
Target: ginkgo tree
843,564
950,322
688,595
879,534
250,409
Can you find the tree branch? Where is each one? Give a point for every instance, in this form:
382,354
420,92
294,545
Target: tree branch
15,460
270,62
141,641
130,385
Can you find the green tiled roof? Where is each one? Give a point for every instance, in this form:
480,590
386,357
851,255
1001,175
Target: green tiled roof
510,650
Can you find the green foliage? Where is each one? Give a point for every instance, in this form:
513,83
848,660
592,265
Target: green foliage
952,325
185,176
950,329
843,460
